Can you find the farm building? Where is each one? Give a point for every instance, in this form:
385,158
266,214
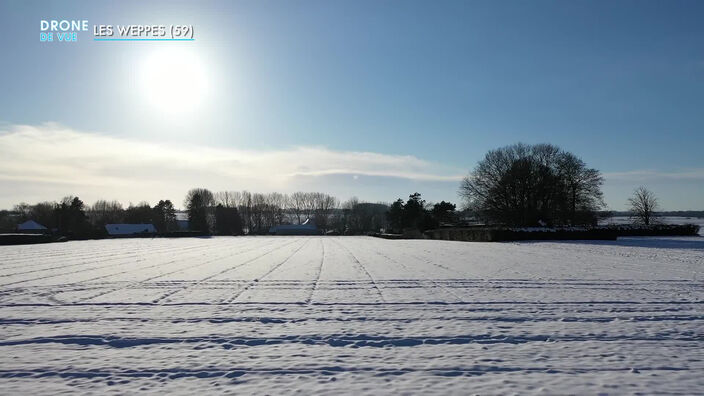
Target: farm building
182,221
307,228
31,227
183,225
118,230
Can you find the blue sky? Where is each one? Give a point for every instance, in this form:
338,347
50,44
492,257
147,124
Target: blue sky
384,98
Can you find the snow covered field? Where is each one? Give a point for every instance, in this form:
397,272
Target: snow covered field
354,314
663,220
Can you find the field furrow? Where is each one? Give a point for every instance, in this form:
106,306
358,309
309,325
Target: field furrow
275,314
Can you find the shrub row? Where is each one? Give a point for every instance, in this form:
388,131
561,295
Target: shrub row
27,239
655,230
499,234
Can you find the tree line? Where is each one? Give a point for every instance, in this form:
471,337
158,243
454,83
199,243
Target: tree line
220,213
236,212
71,217
516,185
415,215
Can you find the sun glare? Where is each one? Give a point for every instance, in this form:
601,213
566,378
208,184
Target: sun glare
174,81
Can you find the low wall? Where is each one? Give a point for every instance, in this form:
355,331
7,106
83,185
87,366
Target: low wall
508,234
655,230
27,239
181,234
389,236
498,234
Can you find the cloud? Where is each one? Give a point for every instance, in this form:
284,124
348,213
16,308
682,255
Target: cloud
641,176
52,154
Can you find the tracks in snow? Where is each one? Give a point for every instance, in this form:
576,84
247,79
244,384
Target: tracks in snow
256,280
364,269
320,271
289,312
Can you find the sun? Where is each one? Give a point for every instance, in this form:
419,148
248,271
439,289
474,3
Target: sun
174,81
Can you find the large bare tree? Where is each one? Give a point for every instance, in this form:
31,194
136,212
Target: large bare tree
298,204
246,210
104,212
228,199
643,205
324,206
527,185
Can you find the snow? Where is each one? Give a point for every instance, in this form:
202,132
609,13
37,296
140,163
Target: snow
356,315
660,219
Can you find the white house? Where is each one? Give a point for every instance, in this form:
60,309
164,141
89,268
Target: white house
182,221
130,229
31,227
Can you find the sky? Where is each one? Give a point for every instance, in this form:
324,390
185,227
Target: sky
374,99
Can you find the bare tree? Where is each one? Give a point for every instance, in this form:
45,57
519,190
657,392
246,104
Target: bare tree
246,211
43,213
276,203
528,185
257,213
139,214
324,206
357,217
298,203
581,188
105,212
228,199
309,201
643,205
24,210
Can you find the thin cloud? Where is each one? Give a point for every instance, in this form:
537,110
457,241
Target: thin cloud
54,154
655,176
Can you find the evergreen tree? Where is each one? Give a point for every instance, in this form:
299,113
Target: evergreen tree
395,216
71,219
199,203
164,216
227,221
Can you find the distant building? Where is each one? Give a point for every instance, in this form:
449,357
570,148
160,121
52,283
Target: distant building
307,228
183,225
182,221
130,229
31,227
